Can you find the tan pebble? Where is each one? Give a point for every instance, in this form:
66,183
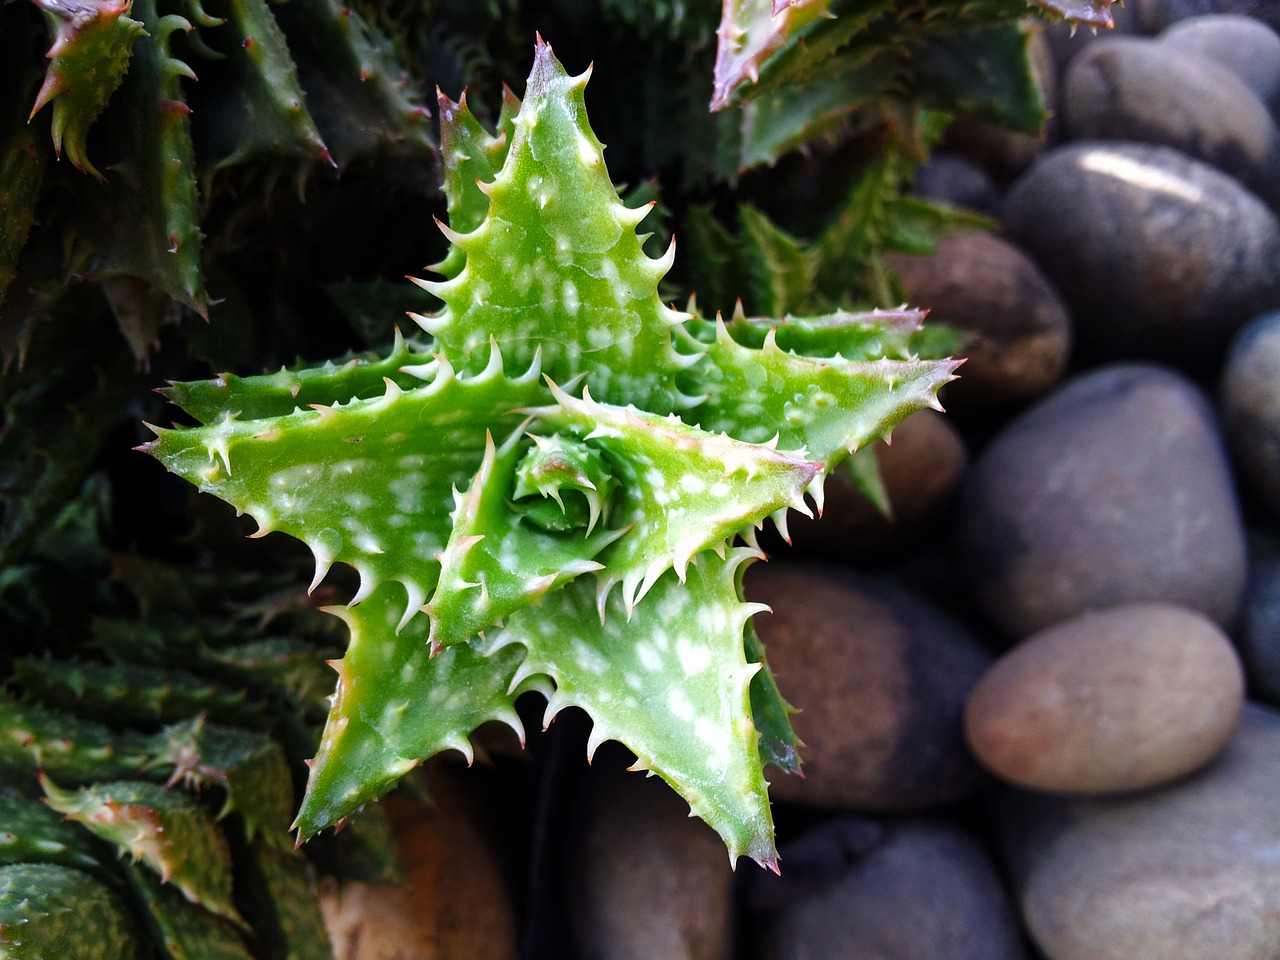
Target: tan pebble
1107,702
454,906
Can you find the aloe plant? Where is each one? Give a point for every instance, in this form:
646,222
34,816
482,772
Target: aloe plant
551,485
547,494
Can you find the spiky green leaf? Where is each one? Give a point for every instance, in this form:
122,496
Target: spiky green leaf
93,41
671,683
165,830
49,911
396,705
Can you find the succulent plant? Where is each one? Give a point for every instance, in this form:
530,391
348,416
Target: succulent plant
546,496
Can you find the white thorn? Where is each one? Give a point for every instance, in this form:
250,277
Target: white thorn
430,324
368,581
417,595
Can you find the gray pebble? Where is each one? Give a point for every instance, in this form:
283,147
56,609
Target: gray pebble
1135,88
1251,405
1115,489
447,845
1017,330
879,678
915,890
1241,44
1158,255
1185,872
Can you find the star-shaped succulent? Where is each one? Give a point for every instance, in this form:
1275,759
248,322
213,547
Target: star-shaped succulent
558,490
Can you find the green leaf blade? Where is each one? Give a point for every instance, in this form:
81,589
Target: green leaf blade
556,269
670,683
396,705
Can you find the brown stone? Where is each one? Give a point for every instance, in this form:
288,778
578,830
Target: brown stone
455,905
1117,700
879,677
1017,330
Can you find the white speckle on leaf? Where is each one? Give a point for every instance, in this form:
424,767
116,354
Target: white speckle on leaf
692,484
694,658
648,656
717,738
680,704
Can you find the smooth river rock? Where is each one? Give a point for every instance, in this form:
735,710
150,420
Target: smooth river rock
1017,328
921,471
859,890
455,903
1251,405
1186,872
1108,702
1159,256
880,678
1241,44
643,879
1136,88
1114,489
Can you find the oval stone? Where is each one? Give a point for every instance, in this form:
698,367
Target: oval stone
1157,255
1135,88
1251,405
1107,702
1018,334
1246,46
1185,872
951,179
915,890
1115,489
879,678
